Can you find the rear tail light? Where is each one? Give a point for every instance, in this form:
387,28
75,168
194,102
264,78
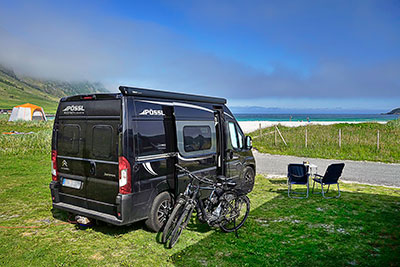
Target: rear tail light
54,165
124,176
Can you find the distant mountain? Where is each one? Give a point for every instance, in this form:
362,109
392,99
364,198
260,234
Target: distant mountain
395,111
276,110
63,88
16,90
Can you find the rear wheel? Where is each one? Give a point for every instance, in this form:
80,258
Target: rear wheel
159,212
235,213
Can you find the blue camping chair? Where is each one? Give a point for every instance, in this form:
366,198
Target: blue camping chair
331,176
297,174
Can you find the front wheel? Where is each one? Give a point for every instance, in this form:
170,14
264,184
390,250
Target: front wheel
235,212
249,179
180,225
173,219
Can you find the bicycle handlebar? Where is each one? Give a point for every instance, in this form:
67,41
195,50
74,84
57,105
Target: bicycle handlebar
203,179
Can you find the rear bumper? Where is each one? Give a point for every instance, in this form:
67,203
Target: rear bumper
88,213
124,207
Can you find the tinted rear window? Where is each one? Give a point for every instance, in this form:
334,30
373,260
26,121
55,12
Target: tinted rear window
69,139
102,141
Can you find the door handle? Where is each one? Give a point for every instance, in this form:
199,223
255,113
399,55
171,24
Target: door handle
92,169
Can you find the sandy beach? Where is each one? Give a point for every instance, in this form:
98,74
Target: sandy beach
249,126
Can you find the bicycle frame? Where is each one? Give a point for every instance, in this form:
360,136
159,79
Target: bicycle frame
221,204
192,190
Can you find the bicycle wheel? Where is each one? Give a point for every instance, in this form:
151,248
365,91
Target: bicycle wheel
180,225
235,212
173,219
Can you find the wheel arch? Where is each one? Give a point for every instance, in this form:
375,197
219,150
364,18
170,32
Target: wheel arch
160,188
253,166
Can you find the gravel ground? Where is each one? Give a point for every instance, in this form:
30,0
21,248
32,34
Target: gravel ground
374,173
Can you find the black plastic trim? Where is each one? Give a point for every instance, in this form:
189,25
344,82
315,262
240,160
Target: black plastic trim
133,91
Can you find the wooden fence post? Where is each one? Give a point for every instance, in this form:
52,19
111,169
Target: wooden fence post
377,140
279,132
259,127
306,137
340,137
275,135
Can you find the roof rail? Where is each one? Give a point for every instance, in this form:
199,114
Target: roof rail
126,90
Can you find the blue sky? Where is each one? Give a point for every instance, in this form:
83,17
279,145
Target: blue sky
297,54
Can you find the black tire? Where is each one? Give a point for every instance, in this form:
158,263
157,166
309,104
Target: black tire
173,219
236,211
248,179
159,212
181,224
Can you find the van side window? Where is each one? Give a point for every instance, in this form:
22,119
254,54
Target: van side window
240,136
236,136
151,137
69,139
196,138
102,141
233,136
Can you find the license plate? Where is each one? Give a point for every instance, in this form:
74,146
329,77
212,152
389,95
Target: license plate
72,183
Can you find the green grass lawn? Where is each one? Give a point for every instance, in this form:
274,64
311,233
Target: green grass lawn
362,227
359,141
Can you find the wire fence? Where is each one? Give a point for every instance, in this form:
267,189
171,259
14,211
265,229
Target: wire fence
360,142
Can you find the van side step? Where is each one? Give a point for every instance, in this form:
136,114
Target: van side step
89,213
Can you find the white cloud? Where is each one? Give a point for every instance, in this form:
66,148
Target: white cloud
115,51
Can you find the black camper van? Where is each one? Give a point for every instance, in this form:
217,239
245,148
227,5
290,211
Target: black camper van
114,155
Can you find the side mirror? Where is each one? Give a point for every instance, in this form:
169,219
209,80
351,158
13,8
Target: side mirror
248,142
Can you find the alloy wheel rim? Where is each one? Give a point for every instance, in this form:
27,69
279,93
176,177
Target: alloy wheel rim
163,211
249,176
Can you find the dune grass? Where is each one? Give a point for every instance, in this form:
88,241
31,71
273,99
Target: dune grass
358,141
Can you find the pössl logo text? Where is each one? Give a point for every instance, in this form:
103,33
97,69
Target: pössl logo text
152,112
73,108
